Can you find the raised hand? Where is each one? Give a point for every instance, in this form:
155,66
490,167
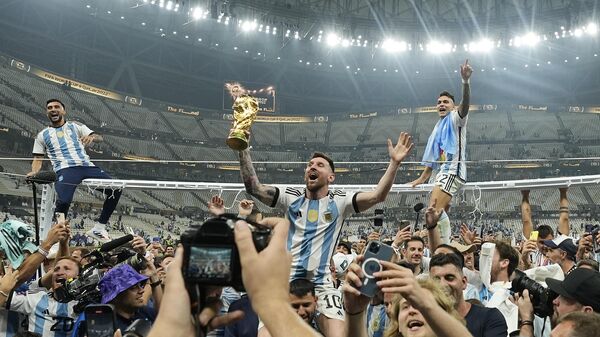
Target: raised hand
9,280
402,149
87,140
245,207
354,301
402,236
468,236
466,70
216,205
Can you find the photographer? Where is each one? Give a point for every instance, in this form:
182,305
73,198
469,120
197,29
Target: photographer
269,295
46,315
580,291
420,307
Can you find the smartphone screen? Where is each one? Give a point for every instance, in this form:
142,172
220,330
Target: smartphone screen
100,320
534,235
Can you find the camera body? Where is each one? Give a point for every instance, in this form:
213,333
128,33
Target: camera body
374,252
210,254
541,297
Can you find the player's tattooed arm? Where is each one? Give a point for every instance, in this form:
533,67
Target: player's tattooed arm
465,73
264,193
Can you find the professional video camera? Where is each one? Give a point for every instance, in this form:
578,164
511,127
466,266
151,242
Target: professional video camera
210,254
84,289
541,297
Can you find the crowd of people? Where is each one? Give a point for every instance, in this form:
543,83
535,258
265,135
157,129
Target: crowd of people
293,276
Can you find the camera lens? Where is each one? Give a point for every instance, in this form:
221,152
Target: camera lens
371,266
374,247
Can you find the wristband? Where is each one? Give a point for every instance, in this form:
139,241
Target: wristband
466,82
353,314
43,251
155,284
432,227
3,294
521,323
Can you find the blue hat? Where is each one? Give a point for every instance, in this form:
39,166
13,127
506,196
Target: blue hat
117,280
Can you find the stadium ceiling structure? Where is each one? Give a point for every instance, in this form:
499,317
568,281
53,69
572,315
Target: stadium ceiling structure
150,49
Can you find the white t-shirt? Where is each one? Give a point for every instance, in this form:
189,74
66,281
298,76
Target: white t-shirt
455,164
63,145
315,227
46,316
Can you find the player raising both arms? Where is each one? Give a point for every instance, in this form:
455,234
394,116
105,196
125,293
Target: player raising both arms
316,216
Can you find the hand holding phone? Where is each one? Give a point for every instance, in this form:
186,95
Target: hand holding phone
374,252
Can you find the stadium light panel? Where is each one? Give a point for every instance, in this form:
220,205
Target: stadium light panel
591,28
437,47
248,26
481,46
332,39
529,40
197,13
169,5
578,32
393,46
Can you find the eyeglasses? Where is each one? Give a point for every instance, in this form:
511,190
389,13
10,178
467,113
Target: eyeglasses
139,285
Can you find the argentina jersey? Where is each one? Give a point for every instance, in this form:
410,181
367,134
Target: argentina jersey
315,227
63,145
47,317
455,164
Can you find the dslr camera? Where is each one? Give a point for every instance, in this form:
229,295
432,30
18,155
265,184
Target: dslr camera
541,297
210,254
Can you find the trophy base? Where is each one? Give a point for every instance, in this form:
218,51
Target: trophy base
237,141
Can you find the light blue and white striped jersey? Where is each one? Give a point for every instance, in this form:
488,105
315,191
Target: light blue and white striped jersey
46,316
63,145
455,164
228,296
315,227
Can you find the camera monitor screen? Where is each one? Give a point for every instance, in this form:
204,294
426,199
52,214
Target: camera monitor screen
209,262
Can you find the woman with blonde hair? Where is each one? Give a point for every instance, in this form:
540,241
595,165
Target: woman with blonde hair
419,309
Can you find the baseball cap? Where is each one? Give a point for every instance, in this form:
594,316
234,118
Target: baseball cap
582,285
563,242
462,248
117,280
345,244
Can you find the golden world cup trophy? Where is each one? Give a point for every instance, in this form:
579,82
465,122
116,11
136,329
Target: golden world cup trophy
245,108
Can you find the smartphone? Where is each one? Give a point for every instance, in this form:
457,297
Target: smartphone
404,224
374,252
60,217
100,320
534,236
378,220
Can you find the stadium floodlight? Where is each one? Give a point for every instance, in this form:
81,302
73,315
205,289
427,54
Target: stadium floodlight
345,43
197,13
591,28
481,46
248,26
393,46
438,47
332,39
169,5
578,32
529,40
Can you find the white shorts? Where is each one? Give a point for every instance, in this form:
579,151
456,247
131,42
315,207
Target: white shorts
449,183
329,302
